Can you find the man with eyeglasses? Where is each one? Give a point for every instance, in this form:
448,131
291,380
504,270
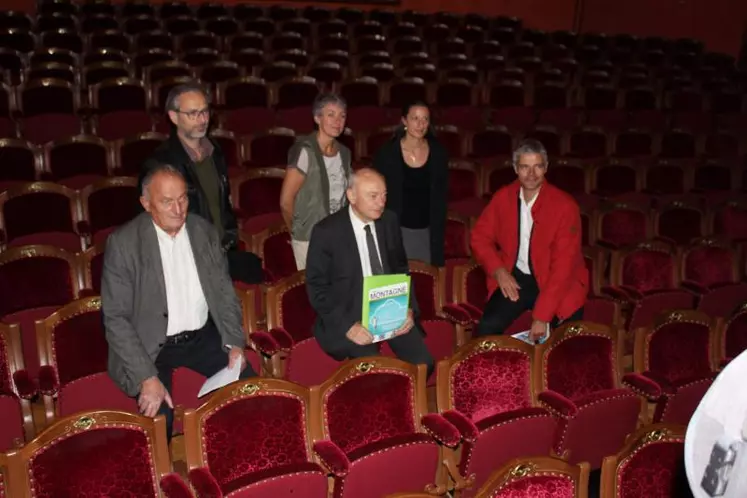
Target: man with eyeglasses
201,161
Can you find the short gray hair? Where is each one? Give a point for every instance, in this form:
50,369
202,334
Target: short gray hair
152,172
172,103
529,146
325,99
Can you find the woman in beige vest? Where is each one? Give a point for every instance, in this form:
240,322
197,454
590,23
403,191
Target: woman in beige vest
317,176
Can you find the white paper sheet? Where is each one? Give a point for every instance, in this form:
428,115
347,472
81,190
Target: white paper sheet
524,336
222,378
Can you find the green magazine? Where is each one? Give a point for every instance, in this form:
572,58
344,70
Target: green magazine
386,302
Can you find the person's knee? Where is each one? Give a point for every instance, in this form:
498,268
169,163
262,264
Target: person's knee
491,324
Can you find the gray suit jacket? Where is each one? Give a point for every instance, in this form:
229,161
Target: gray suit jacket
133,296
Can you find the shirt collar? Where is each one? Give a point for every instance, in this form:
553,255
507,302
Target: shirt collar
204,149
530,203
162,235
358,224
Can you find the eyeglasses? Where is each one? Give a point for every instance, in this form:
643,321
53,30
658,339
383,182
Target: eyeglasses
193,115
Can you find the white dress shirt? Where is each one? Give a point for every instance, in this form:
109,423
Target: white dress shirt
359,228
187,307
525,232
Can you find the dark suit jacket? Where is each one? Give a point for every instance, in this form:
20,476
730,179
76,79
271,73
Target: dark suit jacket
172,152
334,278
388,161
133,296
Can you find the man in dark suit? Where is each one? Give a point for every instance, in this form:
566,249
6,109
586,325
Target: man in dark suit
353,243
203,165
166,297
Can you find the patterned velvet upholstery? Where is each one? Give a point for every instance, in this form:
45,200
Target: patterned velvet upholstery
647,270
651,464
538,477
489,383
371,410
96,454
675,353
580,363
538,487
101,462
708,265
254,437
650,471
679,351
623,226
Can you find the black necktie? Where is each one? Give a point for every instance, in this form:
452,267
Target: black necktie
373,255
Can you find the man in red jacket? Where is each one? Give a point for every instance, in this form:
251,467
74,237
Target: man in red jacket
528,240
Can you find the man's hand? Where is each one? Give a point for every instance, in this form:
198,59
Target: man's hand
359,335
152,394
507,284
236,354
538,330
406,325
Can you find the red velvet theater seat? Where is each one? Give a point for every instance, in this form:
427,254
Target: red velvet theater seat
40,213
17,389
580,381
675,364
69,372
540,476
273,246
374,432
97,454
647,465
645,279
486,389
251,439
290,321
34,282
109,203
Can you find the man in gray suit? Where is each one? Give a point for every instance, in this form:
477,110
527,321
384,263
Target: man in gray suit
167,298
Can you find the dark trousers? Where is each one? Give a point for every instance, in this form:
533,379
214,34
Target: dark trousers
500,312
409,347
204,354
245,267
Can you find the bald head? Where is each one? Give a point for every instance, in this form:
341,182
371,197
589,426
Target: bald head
367,194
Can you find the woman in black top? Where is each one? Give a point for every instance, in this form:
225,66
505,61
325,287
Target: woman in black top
415,166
